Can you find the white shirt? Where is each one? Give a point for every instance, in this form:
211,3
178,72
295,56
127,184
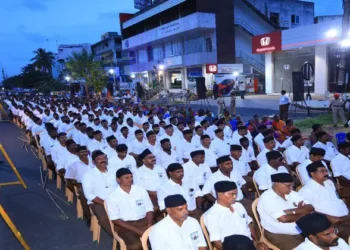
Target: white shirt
77,170
302,170
341,166
284,99
235,176
324,198
96,145
331,151
308,245
98,184
271,207
262,176
210,156
150,179
220,147
199,174
47,143
249,154
185,149
287,143
221,222
67,160
137,147
295,154
189,190
58,153
167,235
128,162
165,159
241,165
175,141
261,158
110,152
128,206
259,141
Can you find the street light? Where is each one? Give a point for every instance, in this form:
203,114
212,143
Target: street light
133,76
345,43
111,71
161,67
67,78
235,73
332,33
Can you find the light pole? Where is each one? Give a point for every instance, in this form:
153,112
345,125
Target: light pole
68,79
112,72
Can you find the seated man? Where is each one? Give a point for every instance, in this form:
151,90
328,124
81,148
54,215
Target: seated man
275,164
177,230
248,153
241,242
122,159
196,169
98,183
322,195
316,154
130,209
341,170
324,143
279,127
226,172
269,145
228,217
279,208
297,153
320,234
288,142
177,185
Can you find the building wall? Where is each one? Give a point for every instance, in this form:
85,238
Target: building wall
66,51
321,19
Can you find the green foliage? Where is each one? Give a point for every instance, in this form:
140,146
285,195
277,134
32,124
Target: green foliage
308,122
43,61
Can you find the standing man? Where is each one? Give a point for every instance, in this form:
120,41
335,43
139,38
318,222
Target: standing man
337,107
284,105
241,88
233,111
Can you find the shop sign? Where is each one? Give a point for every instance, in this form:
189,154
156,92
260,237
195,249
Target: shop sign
230,68
211,68
271,42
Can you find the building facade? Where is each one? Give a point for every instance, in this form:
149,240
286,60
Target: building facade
176,41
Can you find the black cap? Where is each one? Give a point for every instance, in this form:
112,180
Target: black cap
320,134
175,200
317,151
312,224
164,141
314,166
122,171
295,138
174,166
110,138
266,132
238,242
144,154
81,148
281,177
223,159
273,155
268,139
138,131
236,148
197,152
122,148
224,186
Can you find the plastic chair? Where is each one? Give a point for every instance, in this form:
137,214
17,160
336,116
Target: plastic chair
95,228
341,137
144,238
80,213
116,238
257,219
256,188
205,232
298,175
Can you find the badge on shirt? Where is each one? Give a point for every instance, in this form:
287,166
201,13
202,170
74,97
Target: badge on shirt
177,159
139,203
194,236
205,176
128,166
190,192
160,175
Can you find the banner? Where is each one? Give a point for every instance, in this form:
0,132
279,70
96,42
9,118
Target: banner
226,83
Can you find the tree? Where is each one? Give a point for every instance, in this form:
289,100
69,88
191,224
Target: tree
4,76
82,66
43,60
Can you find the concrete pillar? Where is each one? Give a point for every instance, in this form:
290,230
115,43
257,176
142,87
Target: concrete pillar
184,77
321,69
269,73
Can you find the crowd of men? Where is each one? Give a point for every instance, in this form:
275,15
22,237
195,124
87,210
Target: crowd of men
142,166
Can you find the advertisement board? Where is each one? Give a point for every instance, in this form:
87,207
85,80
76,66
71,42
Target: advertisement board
226,83
270,42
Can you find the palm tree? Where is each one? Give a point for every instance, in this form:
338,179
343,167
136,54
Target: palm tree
43,60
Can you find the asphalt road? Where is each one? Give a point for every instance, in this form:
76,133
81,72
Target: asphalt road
40,221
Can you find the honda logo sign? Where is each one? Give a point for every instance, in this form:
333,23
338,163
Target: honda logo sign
211,68
265,41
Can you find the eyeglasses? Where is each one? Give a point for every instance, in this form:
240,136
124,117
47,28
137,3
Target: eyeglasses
322,171
335,232
288,185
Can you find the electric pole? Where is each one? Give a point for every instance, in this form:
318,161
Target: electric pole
345,35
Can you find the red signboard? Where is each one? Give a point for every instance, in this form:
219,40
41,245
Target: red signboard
267,43
211,68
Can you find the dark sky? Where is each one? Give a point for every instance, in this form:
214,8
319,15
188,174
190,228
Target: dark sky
27,24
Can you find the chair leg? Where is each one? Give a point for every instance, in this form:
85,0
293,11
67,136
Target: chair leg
43,161
50,174
79,210
58,182
115,243
70,196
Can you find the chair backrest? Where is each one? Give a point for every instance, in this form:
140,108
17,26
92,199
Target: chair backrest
256,187
349,241
341,137
205,232
115,234
144,238
298,175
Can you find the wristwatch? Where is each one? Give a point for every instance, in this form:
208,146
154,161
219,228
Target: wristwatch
294,212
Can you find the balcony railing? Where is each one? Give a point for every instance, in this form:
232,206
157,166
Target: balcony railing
250,60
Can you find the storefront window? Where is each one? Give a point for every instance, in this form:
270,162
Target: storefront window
175,80
192,74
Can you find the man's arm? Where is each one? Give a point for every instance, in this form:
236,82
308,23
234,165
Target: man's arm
217,244
128,226
210,198
149,218
344,181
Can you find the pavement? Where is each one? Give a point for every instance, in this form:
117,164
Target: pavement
43,225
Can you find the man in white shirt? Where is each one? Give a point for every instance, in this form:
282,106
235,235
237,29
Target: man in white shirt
167,154
259,138
124,137
322,195
324,143
174,139
279,208
320,234
186,145
138,145
248,153
59,152
98,143
297,153
110,150
316,154
187,188
270,144
122,159
228,217
275,164
130,209
226,172
210,156
240,164
288,143
98,183
219,145
341,170
284,105
177,230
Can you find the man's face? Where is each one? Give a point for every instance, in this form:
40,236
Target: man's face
62,139
53,133
125,132
166,146
145,126
156,130
324,139
226,166
139,136
152,138
242,132
320,175
91,118
221,126
105,124
327,238
39,122
162,124
245,143
346,151
236,154
228,197
113,143
97,122
170,131
179,213
181,127
270,145
83,154
149,160
101,161
314,158
299,142
72,147
285,188
206,142
177,174
98,137
122,154
130,122
200,131
188,136
126,180
199,159
220,135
